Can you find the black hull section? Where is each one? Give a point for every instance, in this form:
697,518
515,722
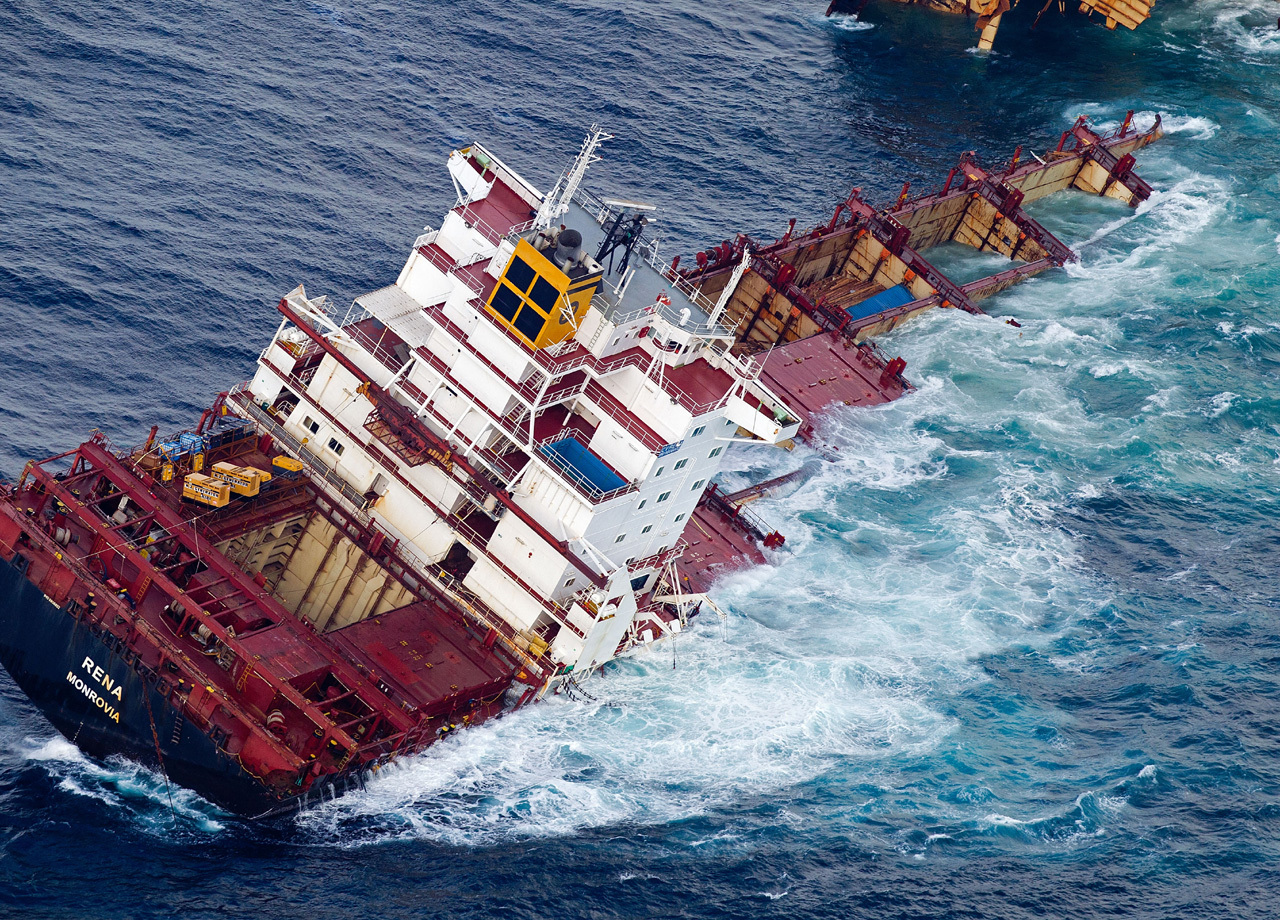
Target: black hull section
83,685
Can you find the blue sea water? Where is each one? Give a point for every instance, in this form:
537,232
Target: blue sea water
1021,654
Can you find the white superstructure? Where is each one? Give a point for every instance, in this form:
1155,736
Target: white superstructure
561,402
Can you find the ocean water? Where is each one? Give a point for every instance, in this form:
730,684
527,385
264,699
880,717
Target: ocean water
1021,654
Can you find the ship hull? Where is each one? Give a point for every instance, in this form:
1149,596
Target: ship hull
90,694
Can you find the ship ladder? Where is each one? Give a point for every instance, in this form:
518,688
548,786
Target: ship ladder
574,690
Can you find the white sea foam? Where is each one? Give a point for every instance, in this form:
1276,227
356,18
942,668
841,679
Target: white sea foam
877,457
1079,663
1168,401
1130,263
1182,574
1111,803
1108,369
1103,119
1244,332
123,784
735,718
56,749
1086,819
1197,127
1221,404
847,23
1248,24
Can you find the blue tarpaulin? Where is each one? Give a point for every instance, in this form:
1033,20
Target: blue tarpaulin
885,300
571,455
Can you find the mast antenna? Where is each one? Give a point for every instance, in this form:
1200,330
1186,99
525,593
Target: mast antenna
557,200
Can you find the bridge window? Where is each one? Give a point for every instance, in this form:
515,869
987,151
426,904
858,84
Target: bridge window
530,322
505,302
544,295
520,273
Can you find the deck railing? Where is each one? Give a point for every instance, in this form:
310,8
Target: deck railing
568,471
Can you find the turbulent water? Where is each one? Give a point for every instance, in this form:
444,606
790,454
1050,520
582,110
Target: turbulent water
1020,654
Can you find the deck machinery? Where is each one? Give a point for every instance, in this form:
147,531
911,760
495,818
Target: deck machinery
479,484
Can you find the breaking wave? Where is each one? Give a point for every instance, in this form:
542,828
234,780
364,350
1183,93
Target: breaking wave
738,716
1135,244
847,23
1196,127
1249,24
119,784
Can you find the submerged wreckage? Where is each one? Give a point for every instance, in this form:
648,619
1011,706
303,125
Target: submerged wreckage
989,13
478,485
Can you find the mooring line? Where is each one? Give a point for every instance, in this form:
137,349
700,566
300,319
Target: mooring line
155,737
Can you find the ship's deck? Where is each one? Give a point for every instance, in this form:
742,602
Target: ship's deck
716,547
426,655
136,555
813,373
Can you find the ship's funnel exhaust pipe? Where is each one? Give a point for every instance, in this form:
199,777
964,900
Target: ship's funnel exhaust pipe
568,248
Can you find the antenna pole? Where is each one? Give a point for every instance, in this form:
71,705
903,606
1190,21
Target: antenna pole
557,201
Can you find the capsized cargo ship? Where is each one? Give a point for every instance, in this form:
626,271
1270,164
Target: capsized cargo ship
988,14
475,486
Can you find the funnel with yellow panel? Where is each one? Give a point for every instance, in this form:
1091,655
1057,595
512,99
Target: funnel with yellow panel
537,301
